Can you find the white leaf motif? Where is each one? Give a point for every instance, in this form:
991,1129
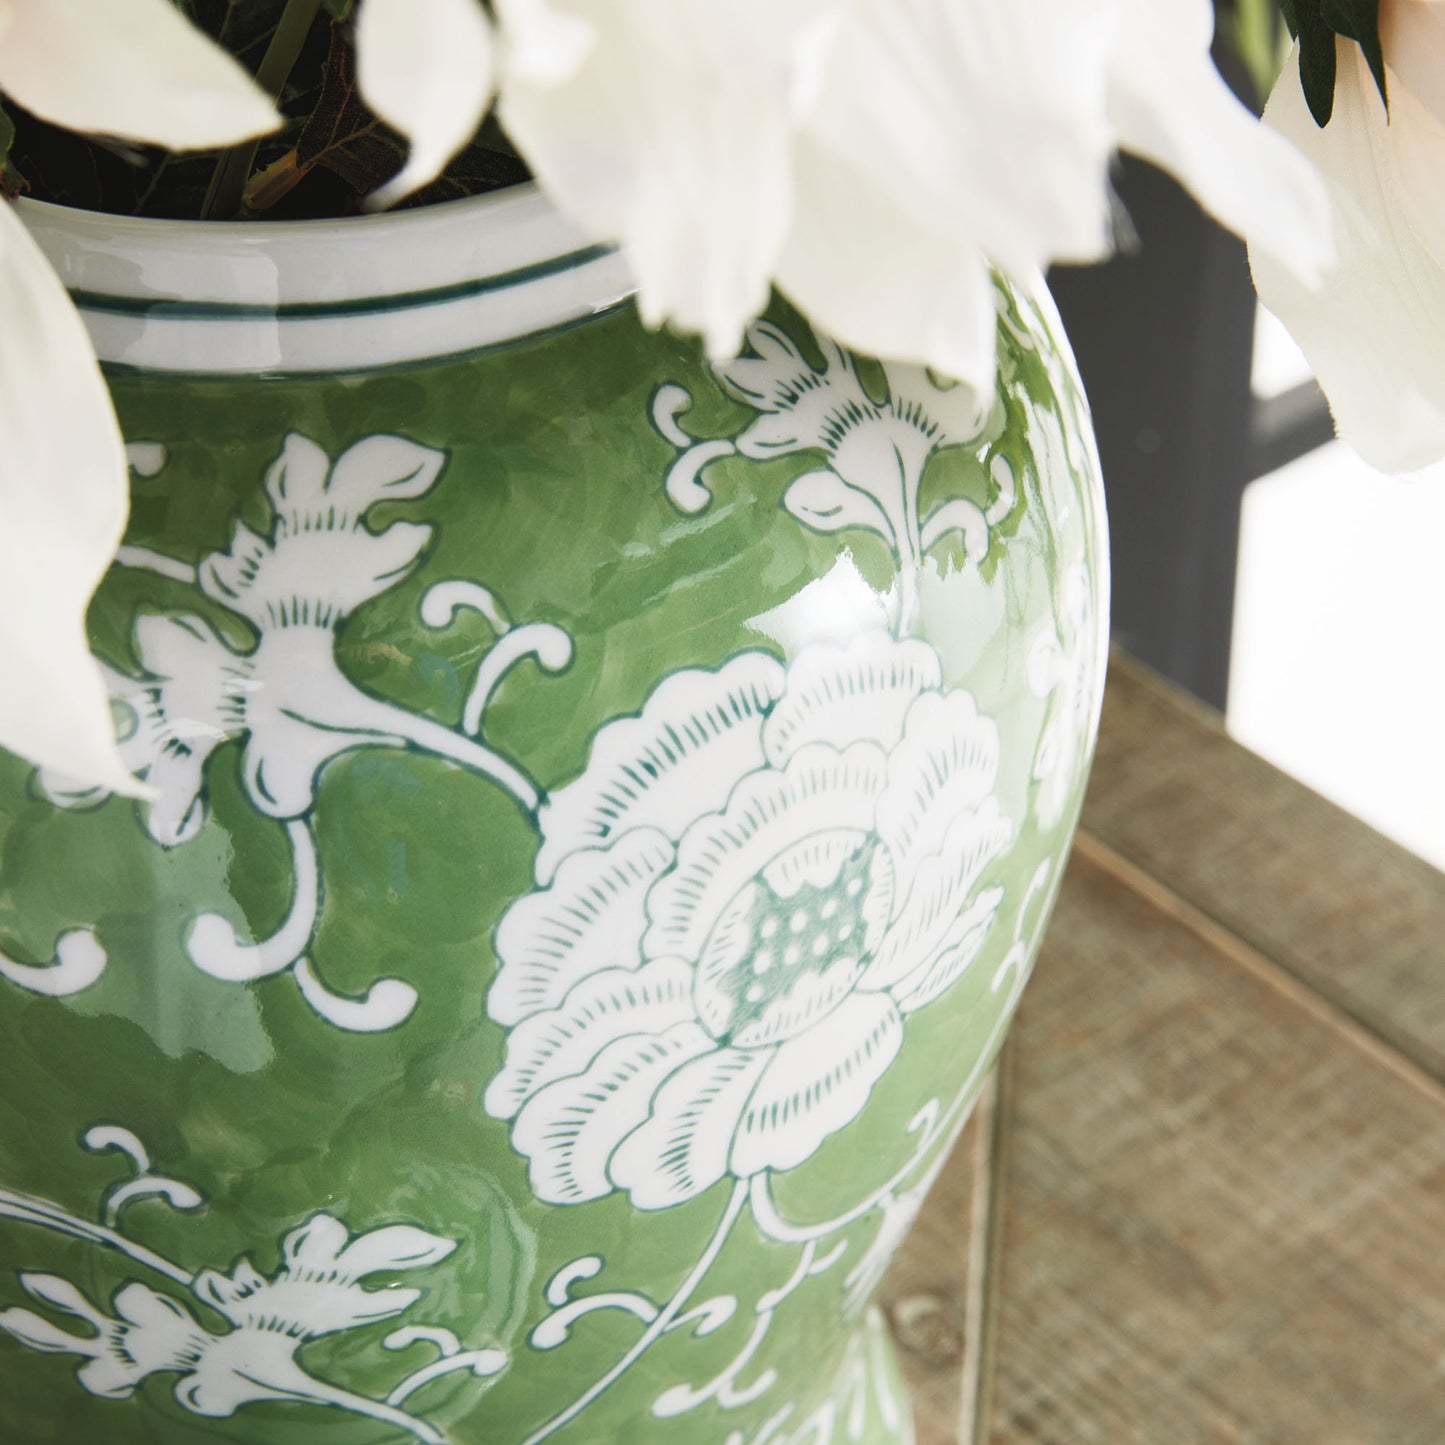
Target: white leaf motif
823,501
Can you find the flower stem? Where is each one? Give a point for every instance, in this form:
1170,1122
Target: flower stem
320,1393
660,1325
433,737
41,1212
228,180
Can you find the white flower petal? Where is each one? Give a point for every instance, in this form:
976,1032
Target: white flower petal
393,1246
961,414
672,137
562,1042
683,1147
1412,36
142,1308
696,736
60,1294
1171,106
882,281
40,1334
381,468
426,68
547,44
822,793
946,766
775,377
296,480
962,945
130,68
63,498
927,904
313,1245
571,1128
1373,331
838,695
939,102
588,921
816,1083
824,502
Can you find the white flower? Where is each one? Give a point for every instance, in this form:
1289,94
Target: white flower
1373,331
751,885
131,68
286,694
875,157
671,132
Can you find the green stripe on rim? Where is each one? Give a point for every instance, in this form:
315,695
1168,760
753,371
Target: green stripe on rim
280,372
159,308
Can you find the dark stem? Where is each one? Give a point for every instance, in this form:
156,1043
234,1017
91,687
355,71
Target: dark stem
233,170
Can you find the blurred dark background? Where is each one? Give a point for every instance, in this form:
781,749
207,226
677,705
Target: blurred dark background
1164,337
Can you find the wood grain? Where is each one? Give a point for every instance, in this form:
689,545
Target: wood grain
1222,1216
1312,888
1207,1202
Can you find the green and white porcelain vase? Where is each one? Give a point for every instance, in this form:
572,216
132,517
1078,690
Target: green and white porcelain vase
605,810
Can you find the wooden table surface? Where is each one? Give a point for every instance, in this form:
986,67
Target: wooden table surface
1204,1198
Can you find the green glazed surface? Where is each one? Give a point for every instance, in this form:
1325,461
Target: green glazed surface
833,679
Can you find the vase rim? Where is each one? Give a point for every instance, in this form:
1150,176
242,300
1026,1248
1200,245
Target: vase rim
341,294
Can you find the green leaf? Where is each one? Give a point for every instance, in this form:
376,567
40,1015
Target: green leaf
1359,20
341,133
241,27
1256,33
1315,25
1316,61
342,136
10,184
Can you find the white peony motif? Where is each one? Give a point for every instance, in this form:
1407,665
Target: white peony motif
750,886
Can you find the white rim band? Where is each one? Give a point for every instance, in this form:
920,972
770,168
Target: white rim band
327,296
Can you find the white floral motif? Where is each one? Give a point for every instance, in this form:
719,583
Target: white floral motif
285,696
743,895
875,450
316,1290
